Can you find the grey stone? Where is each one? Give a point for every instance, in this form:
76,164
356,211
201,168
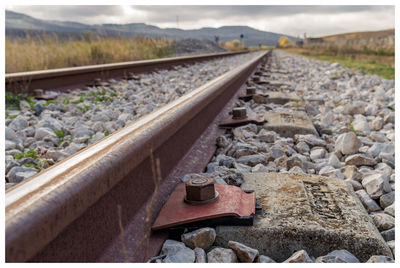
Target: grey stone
376,185
44,132
56,155
38,108
387,199
334,161
266,136
380,259
310,139
251,160
259,168
222,141
360,124
388,234
18,123
276,151
265,259
390,210
177,252
243,252
369,204
294,161
201,238
9,145
224,160
317,153
83,131
302,147
347,143
18,174
24,106
355,184
391,245
294,221
377,123
383,221
296,169
73,148
300,256
344,255
225,255
360,160
200,255
10,134
378,137
378,148
312,110
50,123
329,259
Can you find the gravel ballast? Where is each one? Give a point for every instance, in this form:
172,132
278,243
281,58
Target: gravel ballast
43,132
354,116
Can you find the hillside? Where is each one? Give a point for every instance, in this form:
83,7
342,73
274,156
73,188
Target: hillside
17,23
356,35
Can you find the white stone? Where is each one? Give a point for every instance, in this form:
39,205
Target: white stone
347,143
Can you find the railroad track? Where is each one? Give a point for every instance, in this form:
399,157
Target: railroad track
74,204
98,205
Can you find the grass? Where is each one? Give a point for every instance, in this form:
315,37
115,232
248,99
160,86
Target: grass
48,52
379,65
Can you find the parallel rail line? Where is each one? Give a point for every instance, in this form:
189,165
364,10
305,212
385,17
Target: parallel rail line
69,212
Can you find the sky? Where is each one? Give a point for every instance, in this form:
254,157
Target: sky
288,19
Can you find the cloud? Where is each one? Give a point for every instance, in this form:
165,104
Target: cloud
293,20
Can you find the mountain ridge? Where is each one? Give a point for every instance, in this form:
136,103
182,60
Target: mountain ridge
16,23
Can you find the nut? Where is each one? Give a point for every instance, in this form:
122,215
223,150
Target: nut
250,90
239,113
200,190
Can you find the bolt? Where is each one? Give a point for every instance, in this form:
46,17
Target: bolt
256,78
38,92
200,190
250,90
239,113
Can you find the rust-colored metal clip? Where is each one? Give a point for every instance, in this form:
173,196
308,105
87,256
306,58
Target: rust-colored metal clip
239,117
97,83
251,92
38,94
233,207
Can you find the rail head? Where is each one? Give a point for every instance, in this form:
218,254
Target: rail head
38,209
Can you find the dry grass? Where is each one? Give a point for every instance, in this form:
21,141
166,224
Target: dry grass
356,35
48,52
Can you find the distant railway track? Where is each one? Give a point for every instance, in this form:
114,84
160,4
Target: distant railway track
75,77
69,212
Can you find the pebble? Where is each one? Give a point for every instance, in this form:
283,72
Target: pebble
344,255
390,210
388,234
383,221
177,252
360,160
243,252
380,258
200,255
218,254
265,259
369,204
299,256
347,143
376,185
201,238
387,199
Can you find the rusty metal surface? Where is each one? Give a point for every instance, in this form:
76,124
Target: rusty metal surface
229,122
76,77
232,201
68,213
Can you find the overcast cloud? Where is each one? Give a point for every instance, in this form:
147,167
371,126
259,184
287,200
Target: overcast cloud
293,20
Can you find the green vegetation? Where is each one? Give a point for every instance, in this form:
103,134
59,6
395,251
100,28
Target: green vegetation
12,101
370,66
351,127
31,153
32,54
106,133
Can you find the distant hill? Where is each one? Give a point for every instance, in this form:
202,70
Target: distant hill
17,24
355,35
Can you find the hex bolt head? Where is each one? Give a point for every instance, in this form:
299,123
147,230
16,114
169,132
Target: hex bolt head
200,190
38,92
250,90
239,113
256,78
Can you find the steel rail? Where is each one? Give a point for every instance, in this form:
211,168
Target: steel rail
76,77
67,213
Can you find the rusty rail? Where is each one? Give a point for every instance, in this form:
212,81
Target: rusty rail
76,77
68,212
